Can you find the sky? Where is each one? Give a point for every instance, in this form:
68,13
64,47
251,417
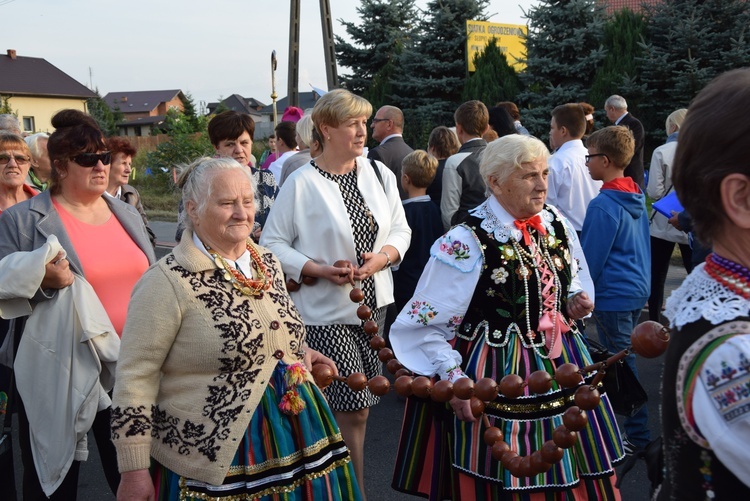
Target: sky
210,49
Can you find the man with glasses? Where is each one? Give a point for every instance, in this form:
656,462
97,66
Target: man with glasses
388,128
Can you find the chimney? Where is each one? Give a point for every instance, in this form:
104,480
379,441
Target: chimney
12,53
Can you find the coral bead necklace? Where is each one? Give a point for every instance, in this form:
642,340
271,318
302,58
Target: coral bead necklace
246,286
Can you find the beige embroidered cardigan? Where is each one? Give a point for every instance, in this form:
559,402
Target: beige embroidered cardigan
196,358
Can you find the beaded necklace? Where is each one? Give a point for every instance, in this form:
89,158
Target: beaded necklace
731,275
246,286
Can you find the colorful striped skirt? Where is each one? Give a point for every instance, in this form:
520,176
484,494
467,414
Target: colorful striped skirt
281,457
439,455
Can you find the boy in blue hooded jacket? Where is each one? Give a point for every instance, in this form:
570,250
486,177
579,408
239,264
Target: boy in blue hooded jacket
615,241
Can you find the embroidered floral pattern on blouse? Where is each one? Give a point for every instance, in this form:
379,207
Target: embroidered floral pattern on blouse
500,275
523,272
491,292
558,262
566,255
422,312
454,322
552,241
455,248
507,252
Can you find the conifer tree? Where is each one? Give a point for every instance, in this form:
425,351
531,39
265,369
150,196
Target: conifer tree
563,53
104,116
494,79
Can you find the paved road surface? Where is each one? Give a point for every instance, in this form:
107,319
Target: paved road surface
385,423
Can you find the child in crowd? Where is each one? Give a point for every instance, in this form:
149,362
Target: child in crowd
615,241
418,171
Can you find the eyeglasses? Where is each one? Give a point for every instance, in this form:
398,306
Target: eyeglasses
90,159
589,157
20,159
376,120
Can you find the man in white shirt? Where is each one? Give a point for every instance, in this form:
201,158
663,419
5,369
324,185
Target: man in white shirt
286,145
569,185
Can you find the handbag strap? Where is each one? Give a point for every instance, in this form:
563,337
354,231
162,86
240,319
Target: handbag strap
378,174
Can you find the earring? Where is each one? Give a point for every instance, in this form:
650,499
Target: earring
329,138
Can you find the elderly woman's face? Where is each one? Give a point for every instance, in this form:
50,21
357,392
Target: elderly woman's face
241,149
524,192
228,215
14,166
119,172
349,136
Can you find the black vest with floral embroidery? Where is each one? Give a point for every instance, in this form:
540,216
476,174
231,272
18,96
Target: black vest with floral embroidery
499,300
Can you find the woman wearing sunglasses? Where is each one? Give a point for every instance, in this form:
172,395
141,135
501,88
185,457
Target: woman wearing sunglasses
105,244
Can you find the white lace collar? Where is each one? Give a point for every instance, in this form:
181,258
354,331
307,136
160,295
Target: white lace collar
496,220
700,296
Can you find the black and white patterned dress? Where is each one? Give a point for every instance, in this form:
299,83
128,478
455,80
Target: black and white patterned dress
349,345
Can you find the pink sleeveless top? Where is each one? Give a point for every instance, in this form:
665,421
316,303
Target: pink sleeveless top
112,262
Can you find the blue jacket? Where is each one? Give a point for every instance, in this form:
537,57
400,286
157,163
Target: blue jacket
615,241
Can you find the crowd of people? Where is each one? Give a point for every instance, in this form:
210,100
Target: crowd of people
484,255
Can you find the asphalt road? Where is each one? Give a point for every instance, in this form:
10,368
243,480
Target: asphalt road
384,426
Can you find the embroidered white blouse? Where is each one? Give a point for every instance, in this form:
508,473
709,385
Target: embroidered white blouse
424,326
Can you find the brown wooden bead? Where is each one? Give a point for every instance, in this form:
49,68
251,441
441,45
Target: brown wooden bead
539,381
575,419
421,387
371,327
403,386
377,343
511,386
386,354
292,286
307,280
507,457
356,381
514,464
587,397
322,374
567,376
379,385
551,453
524,468
477,407
491,435
442,391
393,366
538,464
563,437
364,312
650,339
357,295
463,388
499,448
485,389
402,372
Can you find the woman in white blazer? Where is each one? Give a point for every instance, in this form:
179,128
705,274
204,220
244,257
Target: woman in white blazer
341,207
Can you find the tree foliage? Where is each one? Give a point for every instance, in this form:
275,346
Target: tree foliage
104,116
563,53
494,79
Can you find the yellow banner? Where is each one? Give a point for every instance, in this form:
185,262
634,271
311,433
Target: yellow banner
510,41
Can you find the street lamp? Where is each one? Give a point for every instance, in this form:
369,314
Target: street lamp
273,87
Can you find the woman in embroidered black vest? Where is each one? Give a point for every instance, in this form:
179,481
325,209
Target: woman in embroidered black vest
706,383
212,393
499,296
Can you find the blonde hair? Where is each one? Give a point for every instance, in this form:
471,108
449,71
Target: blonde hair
675,119
304,129
420,167
509,153
336,106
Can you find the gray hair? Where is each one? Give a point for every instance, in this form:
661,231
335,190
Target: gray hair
195,181
33,142
304,129
675,119
10,123
616,102
509,153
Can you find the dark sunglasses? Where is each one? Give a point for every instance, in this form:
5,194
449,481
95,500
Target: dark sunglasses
90,159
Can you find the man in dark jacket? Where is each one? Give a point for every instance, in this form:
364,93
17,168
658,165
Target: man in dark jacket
388,127
617,112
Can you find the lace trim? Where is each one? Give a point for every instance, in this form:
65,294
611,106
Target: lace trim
700,296
504,232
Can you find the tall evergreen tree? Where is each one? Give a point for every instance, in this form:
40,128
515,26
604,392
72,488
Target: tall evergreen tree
494,79
377,40
104,116
690,42
190,114
433,68
623,34
563,53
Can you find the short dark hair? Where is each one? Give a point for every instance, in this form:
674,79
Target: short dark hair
443,142
501,121
510,108
287,132
615,141
473,117
118,144
572,117
230,125
420,167
707,153
75,132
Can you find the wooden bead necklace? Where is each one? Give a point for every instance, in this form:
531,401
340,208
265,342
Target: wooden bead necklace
245,285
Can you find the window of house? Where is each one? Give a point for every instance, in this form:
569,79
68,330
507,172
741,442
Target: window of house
28,124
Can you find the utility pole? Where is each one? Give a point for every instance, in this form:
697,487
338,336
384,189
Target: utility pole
273,88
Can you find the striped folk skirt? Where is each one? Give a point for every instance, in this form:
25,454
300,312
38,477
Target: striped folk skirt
441,457
281,457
